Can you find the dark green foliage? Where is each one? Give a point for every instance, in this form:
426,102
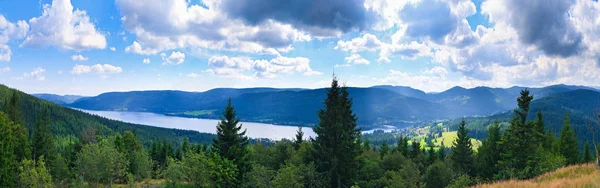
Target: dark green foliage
519,147
489,153
9,143
567,143
462,151
337,144
231,142
438,175
442,152
43,139
587,155
384,149
432,156
539,128
402,146
299,138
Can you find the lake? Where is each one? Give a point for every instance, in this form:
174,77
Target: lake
254,130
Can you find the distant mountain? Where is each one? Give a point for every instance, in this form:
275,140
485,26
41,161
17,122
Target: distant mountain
70,122
58,99
404,90
377,105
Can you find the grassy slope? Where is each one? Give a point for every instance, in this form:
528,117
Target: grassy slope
586,175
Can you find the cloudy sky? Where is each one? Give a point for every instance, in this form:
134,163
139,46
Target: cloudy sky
89,47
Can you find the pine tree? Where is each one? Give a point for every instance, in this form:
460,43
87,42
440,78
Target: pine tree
539,128
549,141
299,138
13,108
431,155
587,155
519,148
402,146
489,153
384,149
462,151
567,144
367,145
442,152
338,141
231,142
43,139
185,145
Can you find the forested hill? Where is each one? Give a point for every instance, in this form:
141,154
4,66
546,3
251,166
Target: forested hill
66,121
579,104
390,105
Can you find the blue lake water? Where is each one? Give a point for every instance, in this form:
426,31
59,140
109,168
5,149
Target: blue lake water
253,130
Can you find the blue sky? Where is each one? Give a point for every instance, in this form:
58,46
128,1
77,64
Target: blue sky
89,47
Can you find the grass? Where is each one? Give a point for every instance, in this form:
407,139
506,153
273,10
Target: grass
586,175
449,137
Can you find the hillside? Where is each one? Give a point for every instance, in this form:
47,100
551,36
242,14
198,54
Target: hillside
58,99
586,175
67,121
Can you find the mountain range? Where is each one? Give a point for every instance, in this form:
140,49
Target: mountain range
377,105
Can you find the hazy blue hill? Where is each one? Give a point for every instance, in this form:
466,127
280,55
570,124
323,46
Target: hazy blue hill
58,99
404,90
163,101
67,121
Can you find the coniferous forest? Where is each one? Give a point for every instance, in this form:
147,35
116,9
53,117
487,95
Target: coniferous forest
45,145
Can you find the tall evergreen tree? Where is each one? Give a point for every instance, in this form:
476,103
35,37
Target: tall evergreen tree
462,151
519,149
549,141
442,152
402,146
587,155
539,128
489,153
43,139
13,108
431,155
567,143
384,149
338,141
231,142
299,138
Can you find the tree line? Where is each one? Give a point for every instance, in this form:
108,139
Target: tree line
336,157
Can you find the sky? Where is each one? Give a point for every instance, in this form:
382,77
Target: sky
88,47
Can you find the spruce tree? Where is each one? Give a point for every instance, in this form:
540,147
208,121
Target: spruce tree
431,155
539,128
489,153
43,139
13,108
518,145
402,146
587,155
462,151
442,152
549,141
337,144
567,143
299,138
384,149
231,142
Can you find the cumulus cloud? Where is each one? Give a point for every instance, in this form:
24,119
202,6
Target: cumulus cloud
175,58
65,28
166,25
404,51
113,49
354,59
238,67
146,61
544,24
312,16
5,69
37,73
193,75
368,42
79,58
10,31
98,69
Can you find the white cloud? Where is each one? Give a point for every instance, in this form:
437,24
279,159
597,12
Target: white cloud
193,75
65,28
98,69
354,59
79,58
237,67
37,73
5,69
10,31
146,61
175,58
166,25
368,42
113,49
405,51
